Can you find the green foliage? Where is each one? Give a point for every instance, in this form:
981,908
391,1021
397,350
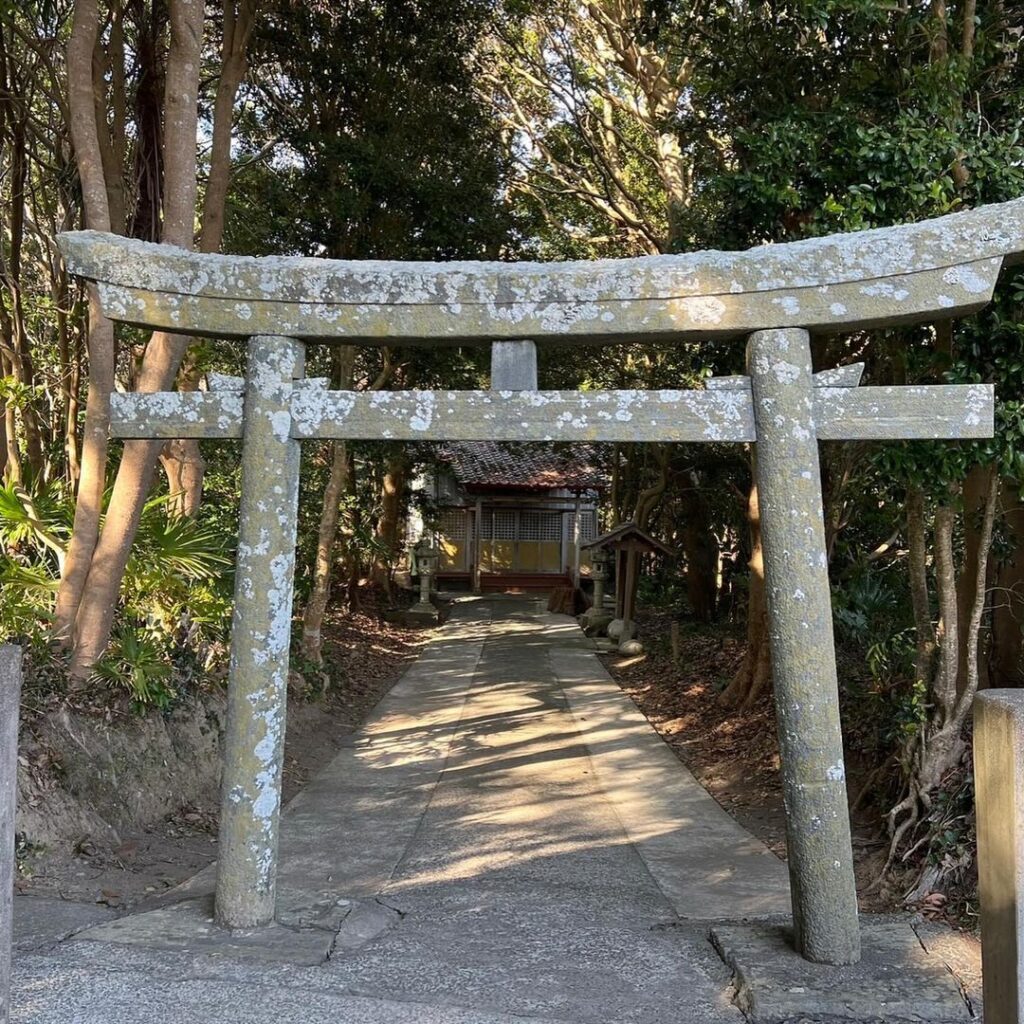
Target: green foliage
661,586
136,661
386,150
28,592
864,604
34,527
175,598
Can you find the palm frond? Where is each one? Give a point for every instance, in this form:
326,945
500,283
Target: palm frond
178,545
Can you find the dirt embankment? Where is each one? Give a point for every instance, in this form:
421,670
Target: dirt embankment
115,806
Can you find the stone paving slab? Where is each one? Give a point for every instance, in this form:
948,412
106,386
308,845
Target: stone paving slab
41,921
70,995
896,980
522,893
190,926
703,860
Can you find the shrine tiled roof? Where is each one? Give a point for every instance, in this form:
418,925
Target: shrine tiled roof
477,464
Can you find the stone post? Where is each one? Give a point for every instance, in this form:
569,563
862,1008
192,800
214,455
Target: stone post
478,544
10,703
513,366
620,582
802,650
629,596
999,803
577,540
260,638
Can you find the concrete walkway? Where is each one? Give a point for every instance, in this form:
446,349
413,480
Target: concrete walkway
507,839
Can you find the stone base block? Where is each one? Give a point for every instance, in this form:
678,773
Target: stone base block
898,978
190,926
421,616
417,615
594,622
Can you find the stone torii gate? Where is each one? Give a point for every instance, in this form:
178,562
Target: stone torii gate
774,296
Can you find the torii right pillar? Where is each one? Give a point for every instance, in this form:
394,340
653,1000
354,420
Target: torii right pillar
803,657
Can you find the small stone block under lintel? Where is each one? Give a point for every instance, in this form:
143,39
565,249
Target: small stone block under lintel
899,978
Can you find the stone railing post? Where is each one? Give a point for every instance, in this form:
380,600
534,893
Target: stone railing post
999,805
260,638
802,648
10,703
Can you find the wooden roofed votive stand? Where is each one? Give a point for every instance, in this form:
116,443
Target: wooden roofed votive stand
627,544
771,297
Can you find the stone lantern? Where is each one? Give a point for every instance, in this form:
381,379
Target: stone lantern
596,619
426,562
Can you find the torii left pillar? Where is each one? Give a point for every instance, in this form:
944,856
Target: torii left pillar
260,636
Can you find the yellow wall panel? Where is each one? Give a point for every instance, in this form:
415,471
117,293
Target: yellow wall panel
502,555
529,557
549,556
452,555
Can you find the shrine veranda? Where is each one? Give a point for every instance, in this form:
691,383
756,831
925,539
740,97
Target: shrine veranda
774,297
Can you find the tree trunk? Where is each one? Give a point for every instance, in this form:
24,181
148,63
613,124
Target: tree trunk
68,361
648,499
185,469
163,353
975,609
701,549
182,459
976,488
939,744
754,673
948,632
353,568
13,316
100,343
1006,663
392,488
316,605
12,458
4,455
238,25
917,541
337,481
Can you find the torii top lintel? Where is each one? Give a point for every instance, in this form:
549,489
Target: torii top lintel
935,268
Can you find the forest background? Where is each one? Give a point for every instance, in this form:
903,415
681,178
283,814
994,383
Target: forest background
511,129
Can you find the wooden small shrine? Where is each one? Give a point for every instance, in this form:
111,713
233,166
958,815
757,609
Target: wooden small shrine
627,544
